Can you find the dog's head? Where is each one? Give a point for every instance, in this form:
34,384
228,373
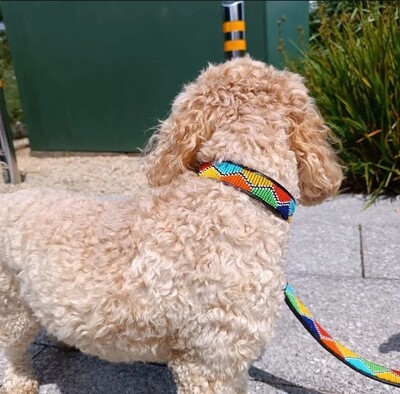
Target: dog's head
241,95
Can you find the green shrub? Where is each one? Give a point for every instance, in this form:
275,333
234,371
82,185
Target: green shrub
8,77
352,66
11,93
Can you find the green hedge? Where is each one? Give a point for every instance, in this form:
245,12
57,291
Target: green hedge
8,77
352,66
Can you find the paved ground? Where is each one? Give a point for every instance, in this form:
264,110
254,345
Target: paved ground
343,261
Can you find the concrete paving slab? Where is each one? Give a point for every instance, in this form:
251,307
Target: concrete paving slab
321,249
358,313
351,209
385,212
258,387
381,250
340,209
62,372
326,239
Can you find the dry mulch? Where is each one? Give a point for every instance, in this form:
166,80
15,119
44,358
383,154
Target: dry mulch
90,174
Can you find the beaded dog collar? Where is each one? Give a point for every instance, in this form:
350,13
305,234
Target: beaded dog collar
253,183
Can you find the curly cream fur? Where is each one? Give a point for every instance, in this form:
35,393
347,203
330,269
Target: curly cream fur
191,272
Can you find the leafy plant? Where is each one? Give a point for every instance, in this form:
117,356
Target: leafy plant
352,66
8,78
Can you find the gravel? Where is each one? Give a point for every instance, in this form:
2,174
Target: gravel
93,174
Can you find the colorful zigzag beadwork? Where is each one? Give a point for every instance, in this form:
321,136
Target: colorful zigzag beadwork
348,357
257,185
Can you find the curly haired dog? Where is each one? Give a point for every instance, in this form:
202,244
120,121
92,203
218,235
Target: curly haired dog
190,273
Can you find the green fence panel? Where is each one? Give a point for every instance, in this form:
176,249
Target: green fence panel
97,75
287,27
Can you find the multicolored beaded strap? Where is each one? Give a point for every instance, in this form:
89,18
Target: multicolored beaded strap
348,357
255,184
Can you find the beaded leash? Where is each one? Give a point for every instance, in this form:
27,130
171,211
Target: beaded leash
371,370
276,198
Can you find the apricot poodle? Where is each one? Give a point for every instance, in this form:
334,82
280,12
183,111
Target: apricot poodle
191,272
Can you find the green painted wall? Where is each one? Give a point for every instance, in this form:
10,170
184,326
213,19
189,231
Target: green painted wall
96,75
291,18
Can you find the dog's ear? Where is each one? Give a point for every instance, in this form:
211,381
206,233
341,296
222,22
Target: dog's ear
173,148
320,174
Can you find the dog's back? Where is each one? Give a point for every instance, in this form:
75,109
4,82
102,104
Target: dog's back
31,214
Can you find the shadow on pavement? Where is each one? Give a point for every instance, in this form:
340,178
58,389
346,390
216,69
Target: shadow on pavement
72,372
76,373
259,375
391,345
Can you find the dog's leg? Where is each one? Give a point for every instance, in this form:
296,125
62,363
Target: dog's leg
192,378
18,327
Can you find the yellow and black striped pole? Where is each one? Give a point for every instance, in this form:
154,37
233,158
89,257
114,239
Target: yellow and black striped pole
234,29
7,152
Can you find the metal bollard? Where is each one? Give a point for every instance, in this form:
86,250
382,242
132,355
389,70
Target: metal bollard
7,152
234,28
